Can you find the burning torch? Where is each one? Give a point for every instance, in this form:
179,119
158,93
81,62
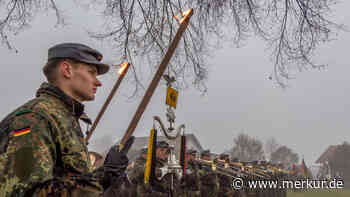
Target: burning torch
122,72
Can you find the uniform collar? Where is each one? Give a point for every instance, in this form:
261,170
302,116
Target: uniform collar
73,105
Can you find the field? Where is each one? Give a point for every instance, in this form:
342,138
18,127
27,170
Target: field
321,193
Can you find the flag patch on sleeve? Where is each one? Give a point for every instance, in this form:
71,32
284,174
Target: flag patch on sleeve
20,132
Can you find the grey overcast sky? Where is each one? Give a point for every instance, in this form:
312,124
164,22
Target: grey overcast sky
310,115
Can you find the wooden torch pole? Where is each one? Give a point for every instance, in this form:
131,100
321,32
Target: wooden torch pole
163,65
123,70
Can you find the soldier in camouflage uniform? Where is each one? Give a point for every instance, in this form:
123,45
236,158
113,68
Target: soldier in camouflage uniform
209,183
42,149
137,171
225,182
190,182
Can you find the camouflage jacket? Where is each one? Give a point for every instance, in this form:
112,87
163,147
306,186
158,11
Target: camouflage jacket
42,141
137,170
136,176
191,180
209,182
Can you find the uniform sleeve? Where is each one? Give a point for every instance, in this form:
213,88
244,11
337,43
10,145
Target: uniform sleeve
30,152
32,158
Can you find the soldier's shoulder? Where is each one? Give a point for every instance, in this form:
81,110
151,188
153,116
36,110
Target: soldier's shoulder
24,118
47,105
46,108
21,121
31,112
22,111
36,105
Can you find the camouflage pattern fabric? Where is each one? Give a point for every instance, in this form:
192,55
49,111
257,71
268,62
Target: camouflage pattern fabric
209,183
191,181
42,149
225,189
166,184
136,176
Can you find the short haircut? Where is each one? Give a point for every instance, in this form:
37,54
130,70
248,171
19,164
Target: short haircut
50,68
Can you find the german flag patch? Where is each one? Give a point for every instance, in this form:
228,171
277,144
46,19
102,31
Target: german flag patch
20,132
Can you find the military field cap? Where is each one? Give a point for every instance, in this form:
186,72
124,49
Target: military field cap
80,53
162,144
205,153
191,151
224,156
235,159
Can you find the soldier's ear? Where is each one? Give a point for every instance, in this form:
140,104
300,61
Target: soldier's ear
66,69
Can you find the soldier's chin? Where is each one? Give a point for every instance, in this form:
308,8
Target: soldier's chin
90,97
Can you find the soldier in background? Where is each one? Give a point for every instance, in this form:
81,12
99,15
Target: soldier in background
162,151
209,184
225,182
137,170
162,183
190,183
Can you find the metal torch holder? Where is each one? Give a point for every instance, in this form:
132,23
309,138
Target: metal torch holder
171,134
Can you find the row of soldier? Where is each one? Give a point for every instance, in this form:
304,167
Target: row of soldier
200,179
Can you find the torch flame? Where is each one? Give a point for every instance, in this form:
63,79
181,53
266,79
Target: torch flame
123,67
184,15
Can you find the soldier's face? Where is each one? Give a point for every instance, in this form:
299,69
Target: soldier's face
190,157
84,82
206,158
162,153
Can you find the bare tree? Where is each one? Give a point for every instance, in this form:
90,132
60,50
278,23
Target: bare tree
247,148
292,29
271,146
285,156
16,16
141,30
340,162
